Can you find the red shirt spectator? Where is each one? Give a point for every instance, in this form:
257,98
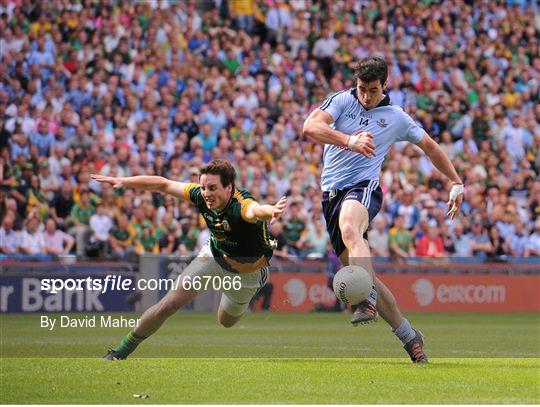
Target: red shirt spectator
431,245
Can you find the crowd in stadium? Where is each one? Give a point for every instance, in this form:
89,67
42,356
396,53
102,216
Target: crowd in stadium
126,88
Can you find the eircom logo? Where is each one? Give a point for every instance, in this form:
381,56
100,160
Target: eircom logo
425,292
300,293
296,291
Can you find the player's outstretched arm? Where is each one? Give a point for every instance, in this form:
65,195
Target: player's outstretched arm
257,212
444,165
144,182
317,127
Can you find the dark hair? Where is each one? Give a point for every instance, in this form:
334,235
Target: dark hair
371,69
223,168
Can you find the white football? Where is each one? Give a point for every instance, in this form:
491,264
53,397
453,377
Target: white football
352,284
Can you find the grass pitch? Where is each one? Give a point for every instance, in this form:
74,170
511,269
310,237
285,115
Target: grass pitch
276,358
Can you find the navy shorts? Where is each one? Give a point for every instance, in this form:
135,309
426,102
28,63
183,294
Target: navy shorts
368,193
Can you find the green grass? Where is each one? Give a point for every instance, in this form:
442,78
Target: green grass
276,358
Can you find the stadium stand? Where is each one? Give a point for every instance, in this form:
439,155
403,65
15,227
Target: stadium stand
160,87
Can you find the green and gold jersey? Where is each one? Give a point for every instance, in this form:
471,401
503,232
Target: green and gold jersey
122,235
236,244
81,214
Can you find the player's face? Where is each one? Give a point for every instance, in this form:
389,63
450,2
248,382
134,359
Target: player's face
370,93
215,195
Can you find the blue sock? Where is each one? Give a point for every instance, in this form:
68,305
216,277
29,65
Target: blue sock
404,332
372,298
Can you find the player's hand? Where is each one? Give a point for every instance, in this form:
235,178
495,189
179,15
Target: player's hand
455,200
279,208
362,142
114,181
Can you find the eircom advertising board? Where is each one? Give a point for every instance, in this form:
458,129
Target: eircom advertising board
301,292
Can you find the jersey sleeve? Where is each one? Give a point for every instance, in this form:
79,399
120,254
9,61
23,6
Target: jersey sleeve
413,132
246,203
246,200
192,193
335,104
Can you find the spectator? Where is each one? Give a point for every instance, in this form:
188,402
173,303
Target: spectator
215,115
324,49
278,22
400,240
47,181
120,238
278,234
169,243
42,138
316,240
35,197
499,245
146,242
518,241
480,242
207,141
100,224
243,11
190,234
506,226
9,238
11,208
80,223
466,143
533,244
408,210
294,230
32,241
57,242
516,138
19,146
431,244
378,238
62,204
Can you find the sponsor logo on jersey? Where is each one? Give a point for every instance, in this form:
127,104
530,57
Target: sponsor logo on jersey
225,225
382,122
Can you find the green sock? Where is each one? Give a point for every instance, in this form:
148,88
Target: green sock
129,343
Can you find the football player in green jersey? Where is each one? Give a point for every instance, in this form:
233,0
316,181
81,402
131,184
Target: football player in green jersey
239,246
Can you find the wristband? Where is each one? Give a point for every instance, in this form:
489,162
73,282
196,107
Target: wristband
352,141
456,191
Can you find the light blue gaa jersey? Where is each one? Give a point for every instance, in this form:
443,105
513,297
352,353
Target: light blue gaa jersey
387,124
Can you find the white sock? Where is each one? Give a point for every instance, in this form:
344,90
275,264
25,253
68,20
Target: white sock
404,332
372,298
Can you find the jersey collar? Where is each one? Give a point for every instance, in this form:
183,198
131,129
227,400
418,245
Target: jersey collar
384,102
233,193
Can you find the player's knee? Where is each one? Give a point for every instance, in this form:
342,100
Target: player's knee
350,234
227,322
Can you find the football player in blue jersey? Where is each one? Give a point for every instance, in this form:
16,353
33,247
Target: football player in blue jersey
358,126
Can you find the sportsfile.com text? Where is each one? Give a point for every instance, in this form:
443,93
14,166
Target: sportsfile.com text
119,283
